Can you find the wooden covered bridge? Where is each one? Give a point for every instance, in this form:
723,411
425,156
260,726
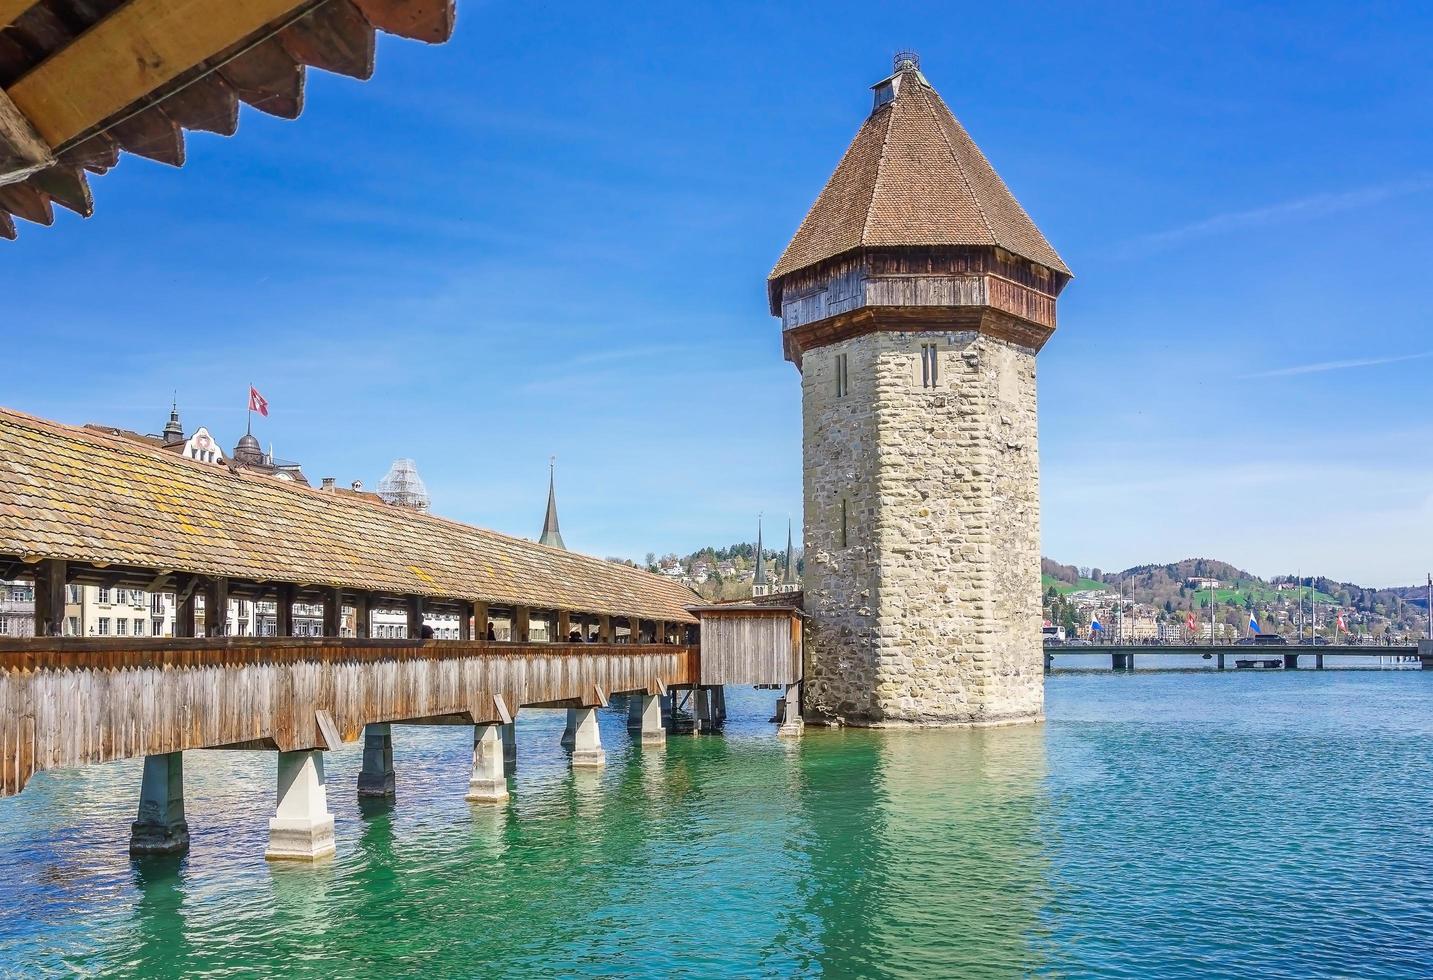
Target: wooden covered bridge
81,506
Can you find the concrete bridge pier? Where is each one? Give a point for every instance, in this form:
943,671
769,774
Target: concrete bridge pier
1318,661
791,721
1049,661
718,696
509,734
1221,661
302,827
701,710
569,734
489,782
649,709
636,706
1291,661
376,778
160,827
1425,654
1122,661
587,750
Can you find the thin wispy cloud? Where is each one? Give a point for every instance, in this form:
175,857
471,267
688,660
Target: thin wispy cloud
1322,366
1313,206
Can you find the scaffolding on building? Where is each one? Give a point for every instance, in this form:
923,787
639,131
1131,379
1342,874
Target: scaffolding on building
403,487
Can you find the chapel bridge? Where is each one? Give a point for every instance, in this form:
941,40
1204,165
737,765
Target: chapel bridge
79,506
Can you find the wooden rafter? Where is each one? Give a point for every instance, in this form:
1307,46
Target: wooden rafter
129,54
81,80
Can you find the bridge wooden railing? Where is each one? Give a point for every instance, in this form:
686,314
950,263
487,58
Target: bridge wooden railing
70,702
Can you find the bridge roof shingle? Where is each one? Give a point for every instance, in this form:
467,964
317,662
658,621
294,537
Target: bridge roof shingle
86,496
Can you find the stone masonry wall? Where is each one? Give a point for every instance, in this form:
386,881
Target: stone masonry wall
930,612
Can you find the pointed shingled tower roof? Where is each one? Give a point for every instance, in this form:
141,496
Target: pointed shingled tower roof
789,577
760,578
913,176
551,536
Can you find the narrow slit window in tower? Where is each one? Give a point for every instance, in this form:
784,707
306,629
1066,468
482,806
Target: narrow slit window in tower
930,365
843,376
845,528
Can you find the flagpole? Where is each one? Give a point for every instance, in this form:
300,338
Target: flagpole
250,429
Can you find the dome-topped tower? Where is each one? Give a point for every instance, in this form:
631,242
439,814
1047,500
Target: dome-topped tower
248,450
913,298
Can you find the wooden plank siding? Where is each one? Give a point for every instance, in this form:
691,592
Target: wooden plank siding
750,647
66,703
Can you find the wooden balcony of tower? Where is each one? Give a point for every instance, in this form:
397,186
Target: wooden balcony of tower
83,507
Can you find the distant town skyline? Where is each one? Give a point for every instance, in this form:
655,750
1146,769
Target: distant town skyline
421,268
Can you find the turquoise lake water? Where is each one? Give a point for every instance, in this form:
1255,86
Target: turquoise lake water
1161,824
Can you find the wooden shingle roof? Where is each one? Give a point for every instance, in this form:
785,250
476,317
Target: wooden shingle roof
914,177
86,496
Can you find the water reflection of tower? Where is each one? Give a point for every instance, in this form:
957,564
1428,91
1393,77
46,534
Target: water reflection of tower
924,851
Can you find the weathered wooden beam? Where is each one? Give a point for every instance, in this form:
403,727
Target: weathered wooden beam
284,609
11,9
186,620
153,135
216,607
27,202
564,626
267,78
67,186
129,54
22,150
50,597
333,612
335,37
415,617
208,104
480,620
421,20
362,615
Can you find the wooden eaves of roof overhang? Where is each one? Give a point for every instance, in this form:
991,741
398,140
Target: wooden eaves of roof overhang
83,80
140,513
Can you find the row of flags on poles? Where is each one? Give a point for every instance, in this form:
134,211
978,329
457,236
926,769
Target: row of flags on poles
1192,625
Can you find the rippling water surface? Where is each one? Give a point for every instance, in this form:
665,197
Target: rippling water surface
1160,824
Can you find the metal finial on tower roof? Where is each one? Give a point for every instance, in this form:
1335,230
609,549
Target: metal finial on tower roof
906,61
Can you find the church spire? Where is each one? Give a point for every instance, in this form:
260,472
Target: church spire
173,431
789,578
759,584
551,536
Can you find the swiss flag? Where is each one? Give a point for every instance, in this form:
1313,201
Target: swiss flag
257,402
1190,621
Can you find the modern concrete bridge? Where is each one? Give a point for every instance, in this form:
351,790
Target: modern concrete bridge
1122,656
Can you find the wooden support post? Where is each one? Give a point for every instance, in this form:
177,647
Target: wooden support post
564,625
284,610
521,619
480,620
604,629
333,613
659,631
216,606
362,615
634,626
465,620
50,597
415,617
185,620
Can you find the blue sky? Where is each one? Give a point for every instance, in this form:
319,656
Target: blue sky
550,236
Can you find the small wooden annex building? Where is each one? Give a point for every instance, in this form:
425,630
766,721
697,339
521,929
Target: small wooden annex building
756,641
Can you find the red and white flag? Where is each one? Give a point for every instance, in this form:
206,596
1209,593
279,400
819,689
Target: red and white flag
1341,627
257,402
1189,622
